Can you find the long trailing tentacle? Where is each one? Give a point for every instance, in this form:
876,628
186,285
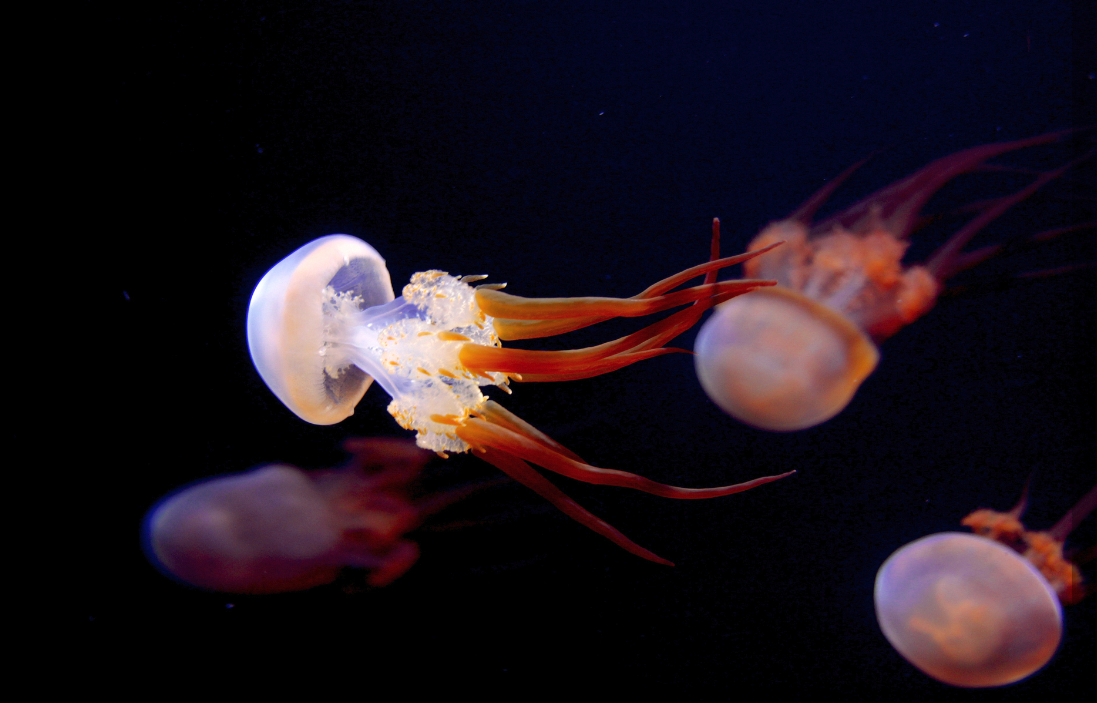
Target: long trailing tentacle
482,432
523,473
589,361
507,442
970,259
528,318
573,364
1075,515
943,263
895,207
504,305
653,337
497,414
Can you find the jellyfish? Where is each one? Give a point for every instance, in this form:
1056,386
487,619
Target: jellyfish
277,528
324,324
789,357
983,609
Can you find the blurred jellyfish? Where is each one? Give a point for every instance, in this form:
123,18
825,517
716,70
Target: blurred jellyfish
984,609
277,528
790,357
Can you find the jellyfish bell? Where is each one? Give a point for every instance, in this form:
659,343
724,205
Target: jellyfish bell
292,324
277,528
983,609
261,532
790,357
780,361
967,611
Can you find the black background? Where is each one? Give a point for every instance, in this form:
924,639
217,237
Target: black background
577,148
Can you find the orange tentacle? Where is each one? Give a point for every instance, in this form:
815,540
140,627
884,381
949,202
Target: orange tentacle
510,329
499,304
523,473
498,415
476,357
671,282
573,364
482,433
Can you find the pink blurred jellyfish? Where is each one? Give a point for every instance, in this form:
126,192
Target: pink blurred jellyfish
277,528
983,609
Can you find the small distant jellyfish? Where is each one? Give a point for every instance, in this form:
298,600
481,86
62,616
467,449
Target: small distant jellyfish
324,324
792,356
983,609
277,528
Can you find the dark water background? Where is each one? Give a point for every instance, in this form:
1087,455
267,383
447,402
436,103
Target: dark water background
580,148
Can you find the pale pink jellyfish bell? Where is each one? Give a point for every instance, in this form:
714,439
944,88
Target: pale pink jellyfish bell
290,317
792,356
978,610
277,528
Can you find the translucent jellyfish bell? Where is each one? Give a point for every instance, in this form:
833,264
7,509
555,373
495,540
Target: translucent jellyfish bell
982,609
287,324
782,377
277,528
967,610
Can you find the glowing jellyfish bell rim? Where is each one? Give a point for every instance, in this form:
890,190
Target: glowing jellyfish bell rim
286,323
905,571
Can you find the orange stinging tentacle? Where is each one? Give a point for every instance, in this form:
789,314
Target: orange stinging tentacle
482,433
477,357
499,304
662,332
714,250
498,415
678,279
575,364
523,473
510,329
942,263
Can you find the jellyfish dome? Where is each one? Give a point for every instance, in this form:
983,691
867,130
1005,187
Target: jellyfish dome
967,610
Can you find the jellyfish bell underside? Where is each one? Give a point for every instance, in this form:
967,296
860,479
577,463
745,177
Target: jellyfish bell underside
780,361
286,316
967,611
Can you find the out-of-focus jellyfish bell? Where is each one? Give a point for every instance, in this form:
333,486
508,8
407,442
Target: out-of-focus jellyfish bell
967,611
980,610
277,528
782,377
790,357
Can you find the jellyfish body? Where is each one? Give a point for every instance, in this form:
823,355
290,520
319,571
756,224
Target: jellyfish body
967,611
277,528
978,610
791,357
323,324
